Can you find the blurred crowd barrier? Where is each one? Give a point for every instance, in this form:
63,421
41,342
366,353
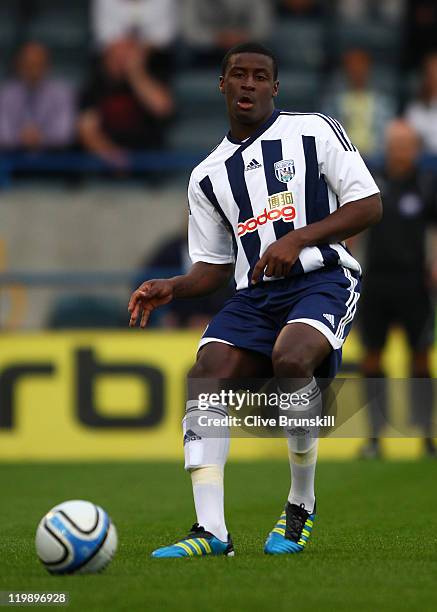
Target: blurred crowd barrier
61,245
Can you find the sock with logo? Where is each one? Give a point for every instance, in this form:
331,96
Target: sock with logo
206,449
303,470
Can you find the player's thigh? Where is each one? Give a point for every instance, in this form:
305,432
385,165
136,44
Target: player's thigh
299,350
222,360
317,324
221,366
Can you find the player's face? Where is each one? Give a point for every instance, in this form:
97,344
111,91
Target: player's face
249,88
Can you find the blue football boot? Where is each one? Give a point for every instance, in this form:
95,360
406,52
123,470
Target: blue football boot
292,531
198,543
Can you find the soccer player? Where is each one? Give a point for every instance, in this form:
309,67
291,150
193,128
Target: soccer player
273,202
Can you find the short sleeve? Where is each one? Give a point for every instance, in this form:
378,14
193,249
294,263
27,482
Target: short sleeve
209,240
341,163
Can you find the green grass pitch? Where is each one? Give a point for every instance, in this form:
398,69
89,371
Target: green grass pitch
374,545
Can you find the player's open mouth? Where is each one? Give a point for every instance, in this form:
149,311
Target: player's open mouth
245,103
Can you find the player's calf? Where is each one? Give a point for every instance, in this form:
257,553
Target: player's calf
293,529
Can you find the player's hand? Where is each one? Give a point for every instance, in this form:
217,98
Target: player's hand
278,258
146,298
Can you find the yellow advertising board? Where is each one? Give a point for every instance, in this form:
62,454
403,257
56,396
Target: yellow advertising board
117,395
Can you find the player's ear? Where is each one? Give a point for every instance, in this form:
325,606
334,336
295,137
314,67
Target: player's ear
222,84
275,88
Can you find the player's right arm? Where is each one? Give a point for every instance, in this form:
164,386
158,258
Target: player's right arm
212,253
203,278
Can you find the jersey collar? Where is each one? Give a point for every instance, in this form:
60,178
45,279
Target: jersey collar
262,128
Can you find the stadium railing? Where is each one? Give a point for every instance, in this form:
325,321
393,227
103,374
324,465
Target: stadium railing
83,163
146,161
111,288
84,278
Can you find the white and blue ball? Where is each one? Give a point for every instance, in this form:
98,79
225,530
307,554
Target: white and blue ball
76,537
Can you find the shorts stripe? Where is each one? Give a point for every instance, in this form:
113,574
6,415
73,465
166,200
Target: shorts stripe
351,305
354,306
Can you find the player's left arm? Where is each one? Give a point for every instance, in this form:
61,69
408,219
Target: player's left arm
357,193
349,220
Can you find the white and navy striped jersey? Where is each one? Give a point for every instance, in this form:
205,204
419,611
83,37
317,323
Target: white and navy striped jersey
296,169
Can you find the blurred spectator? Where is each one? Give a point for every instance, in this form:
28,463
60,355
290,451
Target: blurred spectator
193,313
300,8
360,10
363,111
126,103
421,34
211,27
422,113
154,22
37,111
398,280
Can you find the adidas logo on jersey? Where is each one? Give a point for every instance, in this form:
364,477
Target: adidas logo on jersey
330,318
190,436
253,165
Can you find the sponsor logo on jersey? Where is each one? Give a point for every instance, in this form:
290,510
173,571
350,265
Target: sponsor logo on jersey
283,198
284,170
286,213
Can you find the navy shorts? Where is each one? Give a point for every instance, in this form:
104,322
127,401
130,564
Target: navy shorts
325,299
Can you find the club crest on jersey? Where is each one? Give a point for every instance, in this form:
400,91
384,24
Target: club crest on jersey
284,170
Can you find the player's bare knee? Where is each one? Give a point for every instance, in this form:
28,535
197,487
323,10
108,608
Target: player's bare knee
215,362
292,364
200,369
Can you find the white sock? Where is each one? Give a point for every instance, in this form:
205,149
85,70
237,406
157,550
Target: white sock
303,469
208,496
302,448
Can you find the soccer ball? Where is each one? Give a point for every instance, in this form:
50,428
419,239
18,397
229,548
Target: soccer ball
76,537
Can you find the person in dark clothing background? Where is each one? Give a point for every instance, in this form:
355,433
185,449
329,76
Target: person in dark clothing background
126,104
399,280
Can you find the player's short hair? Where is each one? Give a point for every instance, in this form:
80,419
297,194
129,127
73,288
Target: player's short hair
250,47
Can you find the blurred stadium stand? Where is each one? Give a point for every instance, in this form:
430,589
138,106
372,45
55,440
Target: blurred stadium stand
382,40
62,25
309,51
300,44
